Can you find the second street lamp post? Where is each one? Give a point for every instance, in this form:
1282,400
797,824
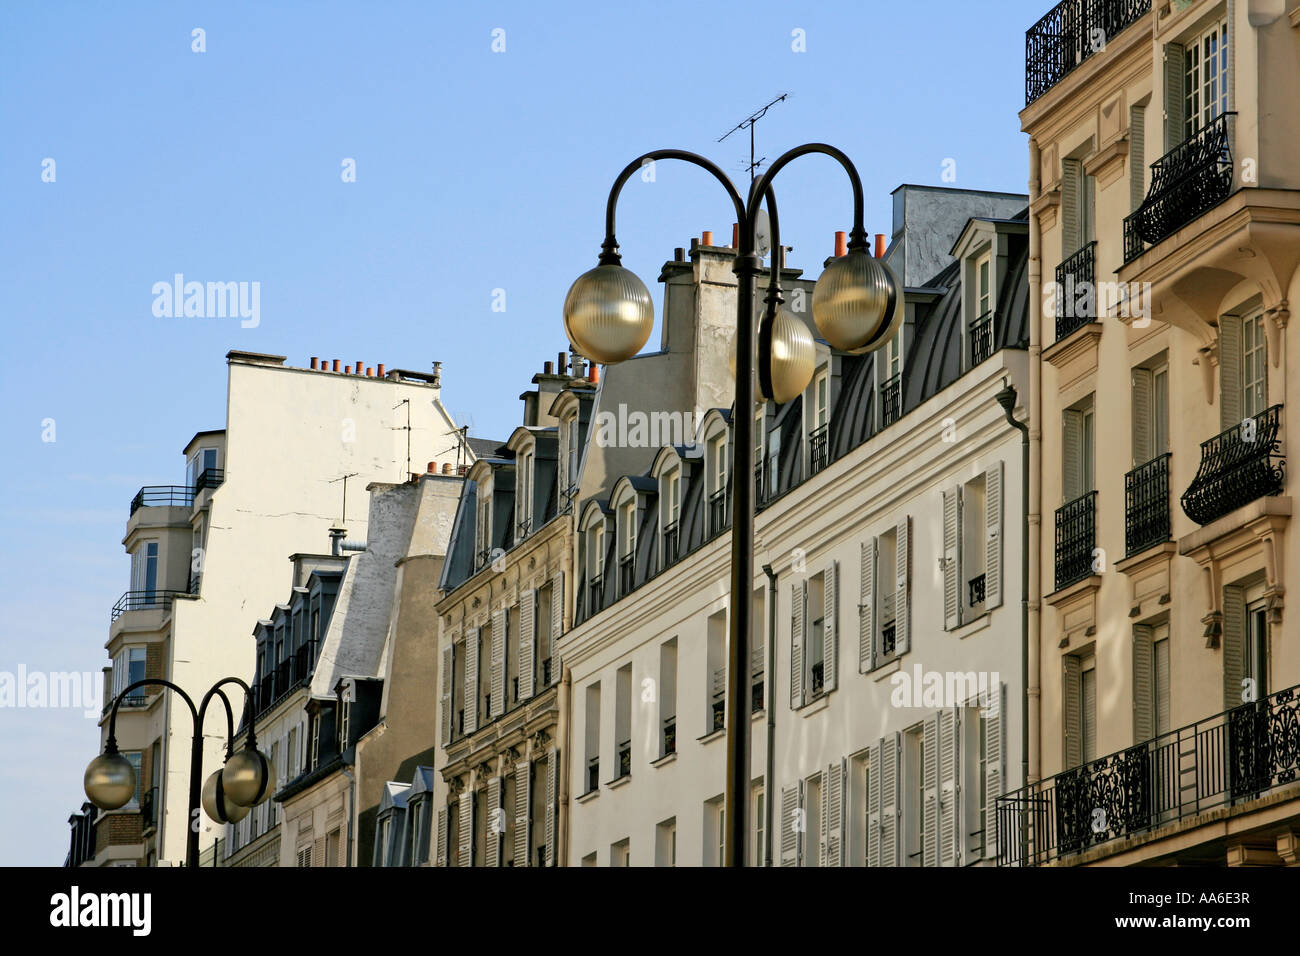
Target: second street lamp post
246,780
857,307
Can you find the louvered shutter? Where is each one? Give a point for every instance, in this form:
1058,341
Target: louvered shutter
798,593
951,558
445,701
1072,454
1143,710
522,810
1071,195
874,819
902,599
930,793
948,792
440,850
1143,436
318,851
1073,722
470,694
993,537
993,753
557,623
867,612
1175,95
552,772
1234,647
497,676
830,625
527,642
801,831
789,836
834,790
465,831
1137,165
492,823
1230,412
824,821
1160,664
889,800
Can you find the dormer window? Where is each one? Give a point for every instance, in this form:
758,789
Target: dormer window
669,513
595,570
483,526
981,324
716,467
818,444
760,442
524,495
891,381
627,544
569,450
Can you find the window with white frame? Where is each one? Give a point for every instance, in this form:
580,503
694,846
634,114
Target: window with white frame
1205,83
129,667
715,832
144,574
666,843
757,811
669,515
524,495
626,530
1080,710
913,796
483,524
813,635
594,544
1254,378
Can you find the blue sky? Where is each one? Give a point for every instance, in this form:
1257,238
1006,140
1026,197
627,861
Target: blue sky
475,171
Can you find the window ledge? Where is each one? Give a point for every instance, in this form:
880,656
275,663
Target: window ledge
712,735
968,628
817,705
664,760
619,781
882,671
589,795
758,714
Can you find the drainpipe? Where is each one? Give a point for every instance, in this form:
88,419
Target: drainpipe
563,731
352,798
1006,397
769,705
1034,505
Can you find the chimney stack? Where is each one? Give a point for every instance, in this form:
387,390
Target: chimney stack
548,368
841,245
679,254
707,238
735,236
593,376
437,375
880,245
380,371
314,362
336,365
336,540
577,365
446,468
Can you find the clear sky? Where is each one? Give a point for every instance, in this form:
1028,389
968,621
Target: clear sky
476,171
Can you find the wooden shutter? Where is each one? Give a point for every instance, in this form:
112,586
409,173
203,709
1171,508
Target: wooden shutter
527,642
874,819
789,835
1160,666
1175,95
889,800
492,830
440,848
557,623
993,537
833,787
949,838
902,600
1143,709
465,831
552,772
867,610
1230,411
445,701
522,810
470,695
930,793
798,593
1137,164
951,558
1073,722
1071,196
497,676
1143,433
318,852
830,624
1071,454
1234,646
824,820
993,755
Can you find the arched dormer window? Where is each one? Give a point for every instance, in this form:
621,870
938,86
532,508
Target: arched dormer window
592,557
625,538
669,477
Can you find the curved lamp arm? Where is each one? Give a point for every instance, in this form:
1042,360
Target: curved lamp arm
110,745
858,234
230,719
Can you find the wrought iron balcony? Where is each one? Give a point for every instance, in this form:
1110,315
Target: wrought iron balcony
143,601
1146,505
976,586
981,338
1233,757
818,449
888,638
670,736
626,574
891,400
1076,277
1073,31
671,541
546,672
717,512
1237,466
1076,538
1185,182
162,496
624,759
208,479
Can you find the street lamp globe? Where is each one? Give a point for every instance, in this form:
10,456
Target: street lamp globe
110,781
248,778
857,303
608,314
793,358
216,804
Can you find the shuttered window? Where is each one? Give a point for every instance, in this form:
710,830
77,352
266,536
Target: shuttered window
471,684
994,770
1175,111
1144,693
1088,683
445,699
1234,645
523,813
1205,78
1077,450
497,677
1072,718
552,777
1230,377
1071,186
867,607
1254,380
527,643
1160,660
440,848
1137,137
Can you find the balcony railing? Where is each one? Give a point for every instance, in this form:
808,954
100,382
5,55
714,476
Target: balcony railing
1076,277
624,759
758,483
208,479
1073,31
143,601
595,593
546,672
671,540
1146,505
1076,537
981,338
626,573
976,586
718,705
818,449
162,496
717,512
670,735
888,637
1233,757
1237,466
593,774
1185,182
891,400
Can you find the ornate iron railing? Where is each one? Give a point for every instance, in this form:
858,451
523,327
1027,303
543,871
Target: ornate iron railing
624,759
888,638
208,478
595,594
1146,505
977,590
1070,33
162,496
143,601
1233,757
670,735
818,449
671,541
891,400
717,512
1238,465
981,338
593,774
1076,537
1075,280
626,573
1185,182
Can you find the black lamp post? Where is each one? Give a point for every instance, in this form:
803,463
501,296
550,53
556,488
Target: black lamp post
857,307
246,780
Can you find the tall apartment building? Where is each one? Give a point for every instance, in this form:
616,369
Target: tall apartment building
208,560
1164,243
887,612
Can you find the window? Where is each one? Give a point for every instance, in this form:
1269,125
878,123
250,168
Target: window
984,286
1150,681
668,698
812,789
332,847
669,514
813,629
666,843
144,575
1254,388
1256,656
483,638
620,853
818,439
592,738
345,713
623,722
1161,682
1089,717
315,741
524,495
304,855
758,651
859,811
973,581
512,655
625,528
129,667
757,808
457,715
543,610
1150,410
815,655
1078,454
1080,723
890,380
715,832
595,542
136,759
568,463
913,795
716,673
483,525
200,462
1205,83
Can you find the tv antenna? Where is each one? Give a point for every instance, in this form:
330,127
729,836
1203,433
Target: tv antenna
406,428
344,478
748,123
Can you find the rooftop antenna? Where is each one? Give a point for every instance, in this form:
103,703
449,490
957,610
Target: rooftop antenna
344,478
748,123
407,429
